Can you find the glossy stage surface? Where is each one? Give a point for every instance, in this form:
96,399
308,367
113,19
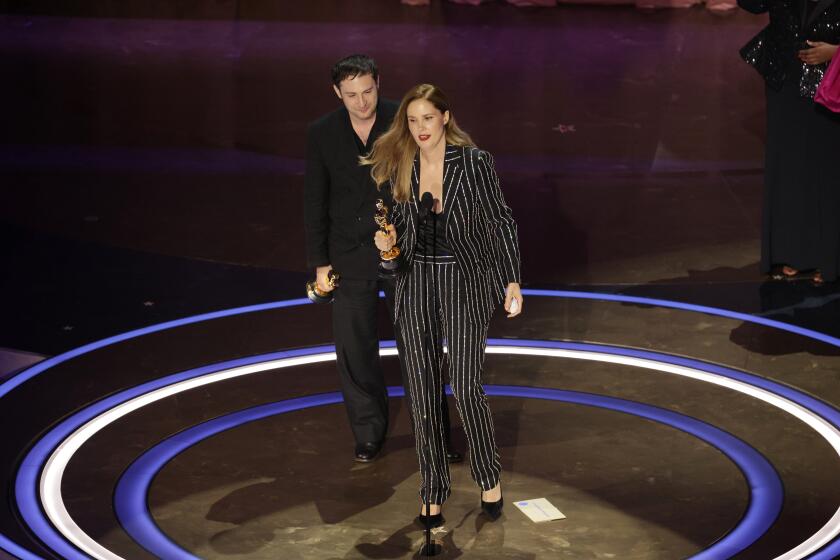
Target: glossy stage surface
668,399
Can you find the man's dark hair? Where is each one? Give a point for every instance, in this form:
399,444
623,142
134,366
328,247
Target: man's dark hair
352,66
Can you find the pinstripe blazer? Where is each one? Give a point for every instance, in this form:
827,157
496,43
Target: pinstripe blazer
479,228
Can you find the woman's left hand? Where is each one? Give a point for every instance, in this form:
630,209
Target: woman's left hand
818,53
513,300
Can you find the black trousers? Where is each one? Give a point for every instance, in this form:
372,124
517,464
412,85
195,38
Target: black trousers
357,348
801,218
432,313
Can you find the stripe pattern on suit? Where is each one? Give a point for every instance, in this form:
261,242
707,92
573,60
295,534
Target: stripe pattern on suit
434,294
479,227
451,299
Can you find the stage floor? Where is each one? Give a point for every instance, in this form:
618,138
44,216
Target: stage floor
666,397
660,431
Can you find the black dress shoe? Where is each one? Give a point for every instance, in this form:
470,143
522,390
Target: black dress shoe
430,521
493,509
453,456
367,452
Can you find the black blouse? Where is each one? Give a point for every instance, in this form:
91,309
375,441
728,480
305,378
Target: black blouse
433,232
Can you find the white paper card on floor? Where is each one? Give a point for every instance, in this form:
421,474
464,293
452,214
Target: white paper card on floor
539,510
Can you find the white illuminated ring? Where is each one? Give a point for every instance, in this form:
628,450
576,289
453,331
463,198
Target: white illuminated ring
53,472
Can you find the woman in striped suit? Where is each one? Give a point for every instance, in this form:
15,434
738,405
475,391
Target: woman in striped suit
462,259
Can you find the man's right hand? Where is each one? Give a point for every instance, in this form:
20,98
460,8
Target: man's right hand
321,278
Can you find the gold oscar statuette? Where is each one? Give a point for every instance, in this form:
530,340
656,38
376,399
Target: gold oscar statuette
316,295
390,261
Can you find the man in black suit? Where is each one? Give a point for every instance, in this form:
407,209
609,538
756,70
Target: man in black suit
340,199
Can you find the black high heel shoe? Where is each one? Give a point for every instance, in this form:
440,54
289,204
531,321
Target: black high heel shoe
493,509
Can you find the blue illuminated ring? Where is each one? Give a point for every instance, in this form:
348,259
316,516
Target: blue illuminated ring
766,494
8,385
27,480
40,367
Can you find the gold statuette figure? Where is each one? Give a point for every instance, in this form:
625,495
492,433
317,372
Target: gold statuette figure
316,295
390,261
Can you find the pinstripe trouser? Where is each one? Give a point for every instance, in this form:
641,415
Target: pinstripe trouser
432,312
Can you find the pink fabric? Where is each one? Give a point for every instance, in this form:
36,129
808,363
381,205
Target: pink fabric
828,93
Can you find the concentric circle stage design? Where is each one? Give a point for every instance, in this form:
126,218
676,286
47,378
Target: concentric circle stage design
221,435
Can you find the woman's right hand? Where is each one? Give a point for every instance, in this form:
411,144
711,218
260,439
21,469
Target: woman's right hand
818,53
384,242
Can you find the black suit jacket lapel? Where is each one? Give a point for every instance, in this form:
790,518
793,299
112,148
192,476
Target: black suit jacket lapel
379,125
452,172
818,10
803,15
347,142
350,153
415,181
412,210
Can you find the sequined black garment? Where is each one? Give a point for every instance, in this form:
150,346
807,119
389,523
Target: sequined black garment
801,217
773,51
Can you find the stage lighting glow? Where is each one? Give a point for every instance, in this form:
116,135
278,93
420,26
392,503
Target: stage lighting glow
50,480
50,486
28,480
765,500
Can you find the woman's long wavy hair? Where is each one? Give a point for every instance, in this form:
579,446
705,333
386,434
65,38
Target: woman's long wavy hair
392,156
